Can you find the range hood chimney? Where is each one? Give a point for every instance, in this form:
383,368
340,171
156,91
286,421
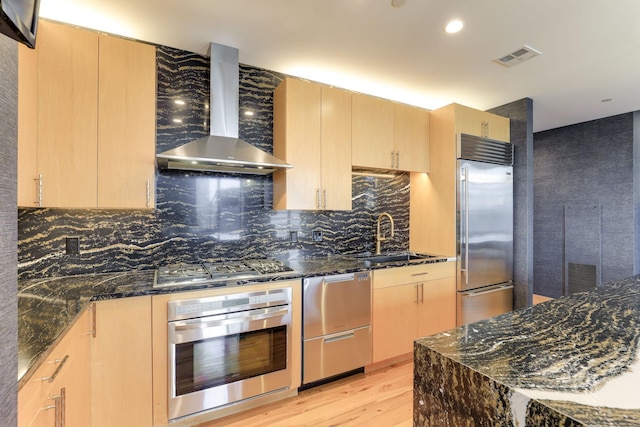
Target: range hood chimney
222,151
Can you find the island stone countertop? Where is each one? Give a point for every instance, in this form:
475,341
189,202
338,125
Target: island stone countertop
568,362
47,307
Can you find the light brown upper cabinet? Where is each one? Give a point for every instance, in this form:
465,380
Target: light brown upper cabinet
411,138
388,135
480,123
312,131
86,121
126,124
432,214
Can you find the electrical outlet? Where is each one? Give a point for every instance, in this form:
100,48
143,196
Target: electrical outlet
317,236
293,236
72,245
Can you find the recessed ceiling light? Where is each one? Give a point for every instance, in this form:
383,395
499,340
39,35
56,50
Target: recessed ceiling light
454,26
398,3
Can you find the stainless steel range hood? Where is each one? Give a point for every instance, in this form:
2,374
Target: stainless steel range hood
222,151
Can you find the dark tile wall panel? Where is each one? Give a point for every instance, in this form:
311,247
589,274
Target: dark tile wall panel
589,163
207,215
521,115
8,232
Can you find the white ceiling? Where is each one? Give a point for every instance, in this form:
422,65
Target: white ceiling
590,48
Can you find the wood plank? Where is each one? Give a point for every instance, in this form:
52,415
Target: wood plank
537,299
27,126
382,398
126,127
67,115
336,148
371,131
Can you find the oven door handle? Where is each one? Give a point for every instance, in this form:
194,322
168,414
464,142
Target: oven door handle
213,321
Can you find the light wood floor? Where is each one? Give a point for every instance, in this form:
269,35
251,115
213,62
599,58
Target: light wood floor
537,299
381,398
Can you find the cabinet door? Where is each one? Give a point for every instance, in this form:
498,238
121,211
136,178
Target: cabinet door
68,367
437,308
121,362
372,132
336,149
67,115
469,121
297,140
27,127
394,321
498,127
481,123
126,125
411,138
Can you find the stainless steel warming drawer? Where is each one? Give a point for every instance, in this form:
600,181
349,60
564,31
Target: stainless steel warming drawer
336,325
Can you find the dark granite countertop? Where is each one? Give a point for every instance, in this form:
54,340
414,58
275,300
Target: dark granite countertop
571,362
47,307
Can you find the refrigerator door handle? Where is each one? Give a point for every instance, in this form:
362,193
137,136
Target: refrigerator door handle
489,291
464,180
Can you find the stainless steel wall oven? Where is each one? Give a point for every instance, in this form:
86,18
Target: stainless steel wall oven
226,349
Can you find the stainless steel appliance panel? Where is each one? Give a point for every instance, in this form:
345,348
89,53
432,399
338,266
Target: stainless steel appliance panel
484,303
336,303
240,352
485,224
334,354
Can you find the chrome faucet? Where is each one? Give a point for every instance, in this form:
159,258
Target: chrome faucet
379,238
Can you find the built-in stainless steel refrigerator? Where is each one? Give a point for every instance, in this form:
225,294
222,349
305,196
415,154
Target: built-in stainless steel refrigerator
484,228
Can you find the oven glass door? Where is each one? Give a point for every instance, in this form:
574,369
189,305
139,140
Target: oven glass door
221,359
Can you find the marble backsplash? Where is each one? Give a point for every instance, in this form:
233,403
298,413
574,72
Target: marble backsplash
206,215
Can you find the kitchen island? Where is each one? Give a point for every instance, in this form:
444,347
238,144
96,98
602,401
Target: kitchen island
570,362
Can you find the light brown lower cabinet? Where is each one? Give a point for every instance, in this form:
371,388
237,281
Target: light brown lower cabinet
99,374
60,388
121,383
411,302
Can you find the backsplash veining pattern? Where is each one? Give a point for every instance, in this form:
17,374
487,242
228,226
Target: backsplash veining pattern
204,215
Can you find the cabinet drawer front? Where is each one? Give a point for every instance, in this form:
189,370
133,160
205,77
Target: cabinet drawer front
412,274
335,354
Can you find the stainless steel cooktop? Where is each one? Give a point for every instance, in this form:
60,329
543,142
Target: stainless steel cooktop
218,271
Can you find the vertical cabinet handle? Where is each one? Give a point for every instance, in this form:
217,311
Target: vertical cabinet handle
148,193
61,411
392,158
484,129
397,160
417,294
93,319
59,404
422,293
38,181
92,332
324,198
318,198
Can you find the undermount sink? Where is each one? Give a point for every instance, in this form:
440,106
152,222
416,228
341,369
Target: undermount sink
395,257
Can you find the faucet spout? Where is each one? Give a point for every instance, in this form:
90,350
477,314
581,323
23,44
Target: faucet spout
379,237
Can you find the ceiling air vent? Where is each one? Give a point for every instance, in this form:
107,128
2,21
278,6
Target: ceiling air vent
517,57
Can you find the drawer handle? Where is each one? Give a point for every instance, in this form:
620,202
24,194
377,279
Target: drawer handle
57,371
421,274
339,338
490,291
338,278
